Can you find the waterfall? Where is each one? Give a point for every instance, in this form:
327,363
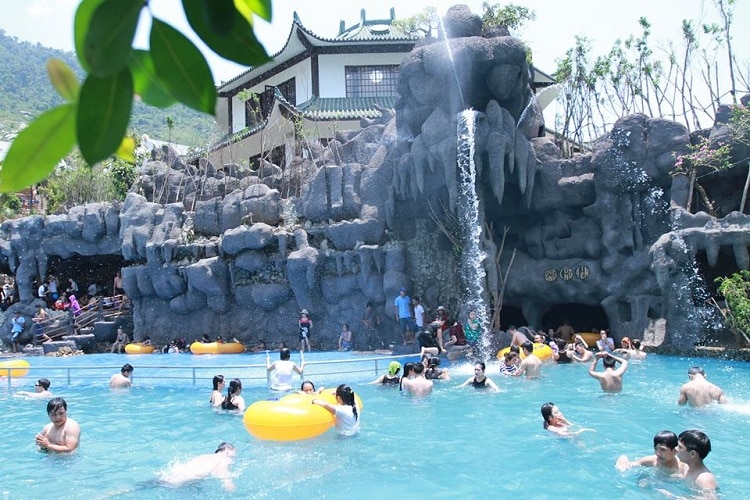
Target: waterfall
472,256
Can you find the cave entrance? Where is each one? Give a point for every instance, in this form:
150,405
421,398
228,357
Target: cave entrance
511,315
726,265
581,317
86,270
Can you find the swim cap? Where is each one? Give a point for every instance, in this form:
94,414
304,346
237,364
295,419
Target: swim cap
394,367
441,308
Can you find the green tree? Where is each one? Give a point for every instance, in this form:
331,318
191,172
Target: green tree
510,16
96,113
736,292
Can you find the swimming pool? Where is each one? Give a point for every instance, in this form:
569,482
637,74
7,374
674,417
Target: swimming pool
457,443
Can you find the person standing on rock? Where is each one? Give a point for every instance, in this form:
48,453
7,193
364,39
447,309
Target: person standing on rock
305,329
402,304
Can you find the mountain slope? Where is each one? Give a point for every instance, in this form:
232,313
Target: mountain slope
25,92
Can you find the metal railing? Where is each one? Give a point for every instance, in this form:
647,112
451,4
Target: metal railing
196,374
59,324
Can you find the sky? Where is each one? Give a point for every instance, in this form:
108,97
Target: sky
50,22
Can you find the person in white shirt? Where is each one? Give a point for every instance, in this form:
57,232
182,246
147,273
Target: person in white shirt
345,412
283,370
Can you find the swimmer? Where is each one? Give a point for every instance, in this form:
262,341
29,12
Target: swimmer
216,396
234,402
418,386
555,422
122,379
699,391
581,353
62,434
41,390
663,460
345,411
479,380
308,387
391,378
201,467
610,379
283,370
531,365
693,446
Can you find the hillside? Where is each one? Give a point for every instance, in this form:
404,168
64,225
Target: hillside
26,92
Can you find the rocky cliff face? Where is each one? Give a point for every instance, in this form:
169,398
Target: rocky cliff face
228,254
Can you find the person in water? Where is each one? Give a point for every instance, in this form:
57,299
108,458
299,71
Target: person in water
283,370
663,460
699,391
418,386
41,390
216,395
234,401
308,387
391,377
345,410
479,380
123,379
62,434
201,467
610,379
555,422
692,448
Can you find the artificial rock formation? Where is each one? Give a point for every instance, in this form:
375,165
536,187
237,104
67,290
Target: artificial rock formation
218,251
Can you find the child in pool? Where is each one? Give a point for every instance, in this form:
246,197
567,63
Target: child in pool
345,412
234,402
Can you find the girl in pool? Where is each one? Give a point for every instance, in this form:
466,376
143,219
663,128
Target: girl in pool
234,402
283,370
216,396
555,421
308,387
345,412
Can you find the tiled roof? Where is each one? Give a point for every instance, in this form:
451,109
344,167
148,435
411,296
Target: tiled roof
344,108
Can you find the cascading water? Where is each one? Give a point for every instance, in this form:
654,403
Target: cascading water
472,257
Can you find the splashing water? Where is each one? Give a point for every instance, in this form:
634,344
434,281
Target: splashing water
453,62
472,270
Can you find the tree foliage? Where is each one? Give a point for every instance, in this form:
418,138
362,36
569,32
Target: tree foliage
510,16
96,112
736,291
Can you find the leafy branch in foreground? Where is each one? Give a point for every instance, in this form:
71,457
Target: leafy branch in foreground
97,111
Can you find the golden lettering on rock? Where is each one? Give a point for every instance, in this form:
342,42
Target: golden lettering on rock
566,273
550,275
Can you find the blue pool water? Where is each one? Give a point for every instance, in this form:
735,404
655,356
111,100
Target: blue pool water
457,443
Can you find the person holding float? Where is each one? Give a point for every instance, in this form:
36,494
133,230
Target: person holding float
344,411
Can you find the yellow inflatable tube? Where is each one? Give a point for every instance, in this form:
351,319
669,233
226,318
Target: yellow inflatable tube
14,368
217,348
542,351
287,420
138,348
291,418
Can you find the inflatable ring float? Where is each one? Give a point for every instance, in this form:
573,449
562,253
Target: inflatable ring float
14,368
542,351
291,418
138,348
217,348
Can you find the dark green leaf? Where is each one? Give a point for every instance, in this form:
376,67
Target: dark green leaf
146,83
238,44
216,13
182,68
110,35
261,8
63,79
81,27
38,148
103,113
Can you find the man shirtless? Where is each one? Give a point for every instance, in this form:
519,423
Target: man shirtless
41,390
201,467
517,338
418,386
122,379
699,391
531,365
61,435
663,460
610,379
692,449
